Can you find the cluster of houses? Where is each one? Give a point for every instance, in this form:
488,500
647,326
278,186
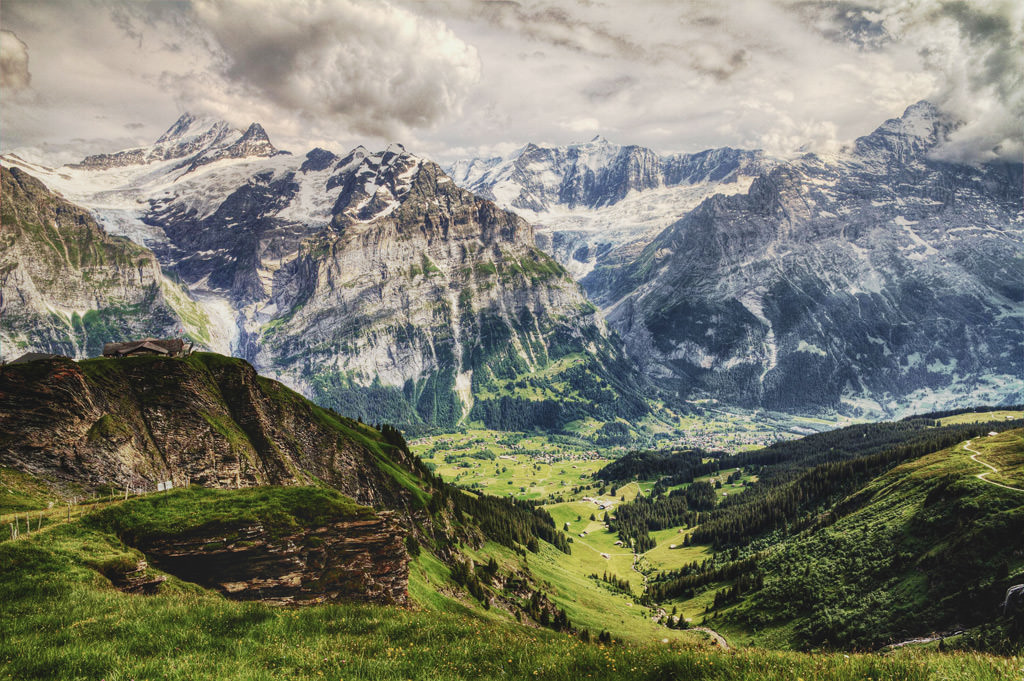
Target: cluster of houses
602,504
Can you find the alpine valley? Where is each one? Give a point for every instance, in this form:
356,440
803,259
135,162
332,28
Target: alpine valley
563,508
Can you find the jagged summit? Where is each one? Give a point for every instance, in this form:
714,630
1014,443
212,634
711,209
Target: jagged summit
597,173
253,143
317,160
255,134
195,139
190,125
921,129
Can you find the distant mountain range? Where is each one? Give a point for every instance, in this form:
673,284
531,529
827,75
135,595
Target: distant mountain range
875,281
600,202
879,280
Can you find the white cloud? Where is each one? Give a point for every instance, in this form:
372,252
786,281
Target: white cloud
588,124
775,74
976,50
461,77
14,74
376,69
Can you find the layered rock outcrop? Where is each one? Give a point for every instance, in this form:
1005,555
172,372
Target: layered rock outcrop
362,560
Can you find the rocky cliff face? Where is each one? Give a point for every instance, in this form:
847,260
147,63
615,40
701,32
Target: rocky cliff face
369,282
876,281
602,203
67,287
362,560
444,297
208,420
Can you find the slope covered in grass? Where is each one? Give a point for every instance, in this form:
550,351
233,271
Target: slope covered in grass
925,547
64,620
278,510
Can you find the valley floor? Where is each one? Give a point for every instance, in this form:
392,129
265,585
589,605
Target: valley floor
563,479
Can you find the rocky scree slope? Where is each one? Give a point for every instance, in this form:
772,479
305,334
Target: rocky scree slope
600,202
67,287
878,281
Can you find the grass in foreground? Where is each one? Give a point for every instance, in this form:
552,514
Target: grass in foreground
63,620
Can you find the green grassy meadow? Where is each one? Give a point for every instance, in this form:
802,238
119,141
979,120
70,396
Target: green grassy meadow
1006,452
64,620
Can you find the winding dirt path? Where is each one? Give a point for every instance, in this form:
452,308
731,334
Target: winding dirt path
981,476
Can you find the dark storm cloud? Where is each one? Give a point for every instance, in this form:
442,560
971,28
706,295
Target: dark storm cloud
725,69
558,27
846,22
971,48
976,47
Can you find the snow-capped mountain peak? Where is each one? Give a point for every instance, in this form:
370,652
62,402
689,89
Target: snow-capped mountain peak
190,126
590,200
920,130
196,140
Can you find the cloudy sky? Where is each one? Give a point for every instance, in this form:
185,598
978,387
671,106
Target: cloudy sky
458,78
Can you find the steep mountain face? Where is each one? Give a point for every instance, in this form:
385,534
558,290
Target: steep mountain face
66,287
601,202
370,282
874,281
208,420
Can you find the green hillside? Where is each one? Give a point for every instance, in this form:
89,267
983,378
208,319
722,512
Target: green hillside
840,542
64,619
925,547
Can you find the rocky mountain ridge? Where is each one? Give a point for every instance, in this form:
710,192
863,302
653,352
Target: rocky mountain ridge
370,282
67,287
876,281
195,141
208,420
272,498
603,202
